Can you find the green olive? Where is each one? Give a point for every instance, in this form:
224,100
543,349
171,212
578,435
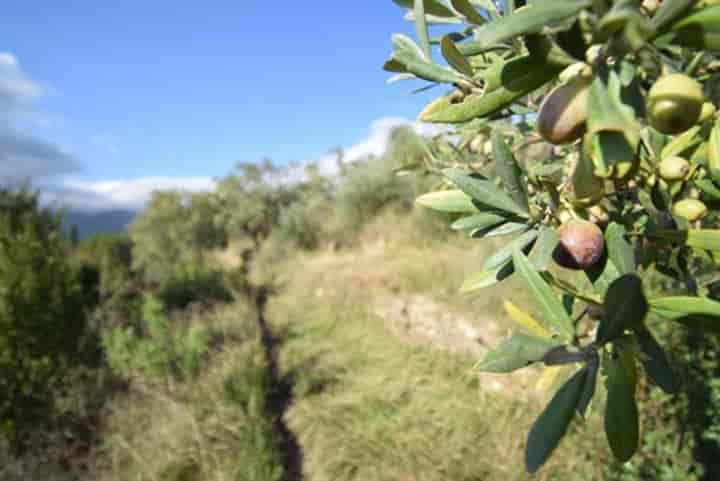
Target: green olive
581,245
691,209
673,168
674,104
562,114
707,112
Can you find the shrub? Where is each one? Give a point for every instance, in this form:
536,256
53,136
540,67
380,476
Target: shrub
365,189
159,349
174,233
190,286
42,318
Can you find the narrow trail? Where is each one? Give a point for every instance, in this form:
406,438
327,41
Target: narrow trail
281,396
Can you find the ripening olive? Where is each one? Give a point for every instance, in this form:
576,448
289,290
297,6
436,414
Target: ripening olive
674,103
673,168
581,245
562,114
691,209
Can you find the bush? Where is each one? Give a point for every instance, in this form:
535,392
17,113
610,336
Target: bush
364,190
42,317
190,286
214,428
174,233
157,350
302,224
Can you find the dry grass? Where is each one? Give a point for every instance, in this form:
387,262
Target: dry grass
213,429
370,405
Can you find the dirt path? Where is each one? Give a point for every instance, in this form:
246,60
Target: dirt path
281,396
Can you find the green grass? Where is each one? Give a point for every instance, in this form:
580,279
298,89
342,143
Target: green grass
214,428
370,405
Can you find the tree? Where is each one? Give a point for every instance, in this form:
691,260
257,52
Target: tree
42,316
251,202
174,233
627,194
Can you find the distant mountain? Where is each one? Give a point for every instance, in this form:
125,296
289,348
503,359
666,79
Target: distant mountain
89,223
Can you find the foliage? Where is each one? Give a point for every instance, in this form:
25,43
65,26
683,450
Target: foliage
158,349
365,189
620,91
105,263
200,286
304,221
213,427
369,402
252,200
42,315
173,233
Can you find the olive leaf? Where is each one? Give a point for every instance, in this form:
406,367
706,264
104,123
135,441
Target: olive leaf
532,19
654,361
625,308
696,312
483,220
588,391
486,278
682,142
484,191
668,12
408,57
613,135
516,352
501,230
468,11
515,78
447,201
621,414
552,424
421,29
546,50
554,314
708,239
507,169
620,251
699,30
525,321
504,254
708,188
432,7
544,247
454,57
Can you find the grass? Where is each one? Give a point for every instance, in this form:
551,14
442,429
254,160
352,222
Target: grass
214,428
370,405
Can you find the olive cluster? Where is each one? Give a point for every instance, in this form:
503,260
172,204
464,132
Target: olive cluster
674,104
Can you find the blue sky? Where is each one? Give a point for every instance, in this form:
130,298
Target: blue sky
186,89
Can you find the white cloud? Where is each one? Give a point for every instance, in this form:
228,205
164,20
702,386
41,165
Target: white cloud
17,90
118,194
133,193
373,145
23,155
